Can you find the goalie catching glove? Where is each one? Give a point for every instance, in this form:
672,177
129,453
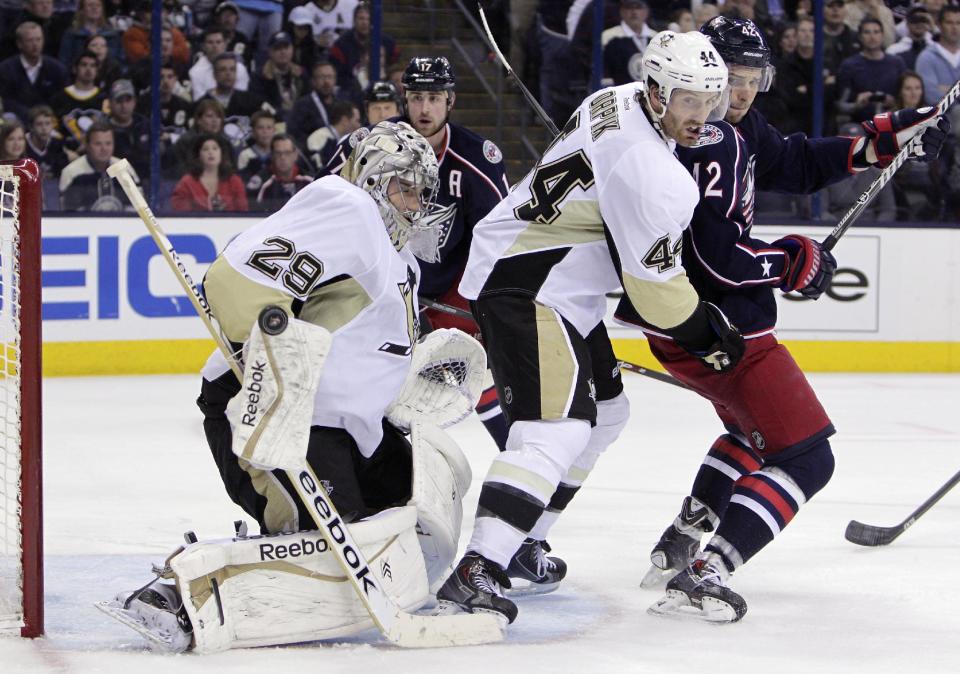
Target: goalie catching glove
444,382
810,269
886,134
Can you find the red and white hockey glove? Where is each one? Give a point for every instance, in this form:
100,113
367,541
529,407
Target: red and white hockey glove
811,267
887,133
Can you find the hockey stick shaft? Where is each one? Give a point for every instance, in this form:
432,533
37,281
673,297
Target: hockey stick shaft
624,365
399,626
866,534
531,100
121,171
886,175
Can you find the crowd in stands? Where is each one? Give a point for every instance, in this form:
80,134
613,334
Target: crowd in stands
255,94
878,56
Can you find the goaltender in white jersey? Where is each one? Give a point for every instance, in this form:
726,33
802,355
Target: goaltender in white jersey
336,268
604,208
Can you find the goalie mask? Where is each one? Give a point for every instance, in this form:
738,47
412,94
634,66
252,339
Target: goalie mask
397,167
684,62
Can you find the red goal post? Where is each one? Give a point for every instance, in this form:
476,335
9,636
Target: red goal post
21,512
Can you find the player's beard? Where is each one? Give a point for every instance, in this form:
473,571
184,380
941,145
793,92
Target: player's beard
432,129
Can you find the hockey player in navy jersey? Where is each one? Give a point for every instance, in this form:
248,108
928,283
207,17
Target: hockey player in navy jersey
775,454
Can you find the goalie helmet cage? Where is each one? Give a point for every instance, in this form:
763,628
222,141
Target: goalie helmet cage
21,528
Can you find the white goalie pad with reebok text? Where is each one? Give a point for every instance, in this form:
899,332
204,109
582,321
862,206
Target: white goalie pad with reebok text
275,406
444,382
289,588
441,478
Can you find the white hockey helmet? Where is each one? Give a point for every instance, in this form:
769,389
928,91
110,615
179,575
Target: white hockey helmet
684,61
394,150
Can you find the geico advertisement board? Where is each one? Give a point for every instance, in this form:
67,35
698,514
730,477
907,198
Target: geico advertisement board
105,279
891,285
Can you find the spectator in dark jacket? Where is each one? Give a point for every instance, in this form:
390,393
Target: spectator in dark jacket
41,12
867,82
29,78
282,179
131,131
312,111
280,81
625,42
44,142
84,183
350,54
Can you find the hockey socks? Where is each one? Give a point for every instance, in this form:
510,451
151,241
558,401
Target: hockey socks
726,462
765,501
490,414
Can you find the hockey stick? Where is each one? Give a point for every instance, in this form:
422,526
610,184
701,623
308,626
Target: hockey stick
397,625
885,175
537,108
624,365
866,534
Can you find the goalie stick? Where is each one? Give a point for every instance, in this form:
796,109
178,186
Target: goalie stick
885,175
624,365
401,627
867,534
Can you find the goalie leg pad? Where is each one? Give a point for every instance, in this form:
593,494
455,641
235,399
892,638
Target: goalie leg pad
280,379
441,478
283,589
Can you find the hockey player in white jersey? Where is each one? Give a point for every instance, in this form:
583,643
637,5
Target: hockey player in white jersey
337,259
604,208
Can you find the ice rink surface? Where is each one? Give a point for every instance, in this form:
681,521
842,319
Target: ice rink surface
128,471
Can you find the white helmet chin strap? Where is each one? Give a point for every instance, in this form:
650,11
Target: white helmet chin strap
656,118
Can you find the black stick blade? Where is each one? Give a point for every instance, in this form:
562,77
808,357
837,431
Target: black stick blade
865,534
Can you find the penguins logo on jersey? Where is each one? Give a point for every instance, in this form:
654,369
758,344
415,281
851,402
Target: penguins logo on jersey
710,135
409,294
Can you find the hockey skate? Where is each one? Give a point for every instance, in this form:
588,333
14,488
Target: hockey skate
532,572
700,591
679,544
156,612
475,587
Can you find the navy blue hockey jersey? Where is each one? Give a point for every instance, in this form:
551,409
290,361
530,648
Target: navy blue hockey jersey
472,182
725,263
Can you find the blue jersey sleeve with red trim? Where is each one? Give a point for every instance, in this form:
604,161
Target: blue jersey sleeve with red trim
794,164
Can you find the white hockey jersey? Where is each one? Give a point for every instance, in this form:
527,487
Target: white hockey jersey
605,206
327,259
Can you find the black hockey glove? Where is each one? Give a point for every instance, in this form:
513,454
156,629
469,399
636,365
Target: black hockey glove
719,345
887,133
811,267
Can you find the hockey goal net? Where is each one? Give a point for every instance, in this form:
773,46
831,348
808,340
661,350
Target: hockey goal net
21,535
